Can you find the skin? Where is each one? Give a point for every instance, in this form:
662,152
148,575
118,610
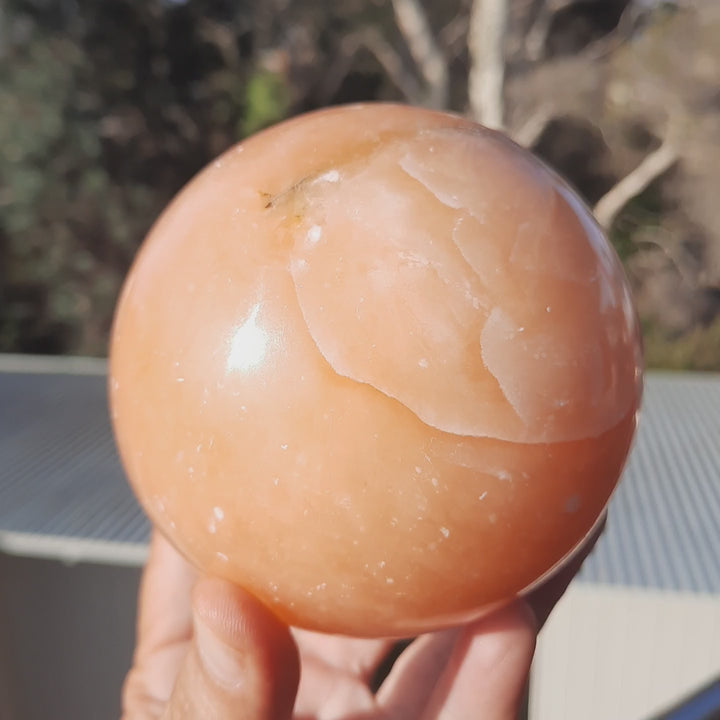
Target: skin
208,649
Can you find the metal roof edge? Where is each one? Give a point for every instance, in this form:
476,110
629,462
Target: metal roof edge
52,364
709,375
73,550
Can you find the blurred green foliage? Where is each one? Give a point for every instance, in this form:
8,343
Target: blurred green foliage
49,170
698,349
267,101
643,214
106,109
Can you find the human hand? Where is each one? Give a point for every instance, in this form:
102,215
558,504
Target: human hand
207,649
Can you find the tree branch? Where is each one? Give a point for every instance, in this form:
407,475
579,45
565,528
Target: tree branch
537,35
530,131
415,28
652,167
671,253
224,39
393,65
384,53
486,43
453,37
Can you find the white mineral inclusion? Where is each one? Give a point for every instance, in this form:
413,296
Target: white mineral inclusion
248,345
331,176
456,268
314,234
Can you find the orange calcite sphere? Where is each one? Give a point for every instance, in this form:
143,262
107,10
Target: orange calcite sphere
377,365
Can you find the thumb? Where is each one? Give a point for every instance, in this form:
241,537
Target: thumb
243,663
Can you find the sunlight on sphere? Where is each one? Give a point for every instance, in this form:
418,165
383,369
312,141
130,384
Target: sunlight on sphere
379,366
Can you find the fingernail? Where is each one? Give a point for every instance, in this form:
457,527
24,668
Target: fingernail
225,664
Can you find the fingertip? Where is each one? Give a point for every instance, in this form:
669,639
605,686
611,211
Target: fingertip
515,616
237,616
243,662
240,621
509,632
488,671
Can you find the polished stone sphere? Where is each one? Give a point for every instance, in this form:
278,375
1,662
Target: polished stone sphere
379,366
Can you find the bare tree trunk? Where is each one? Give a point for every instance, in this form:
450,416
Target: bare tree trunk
415,28
486,43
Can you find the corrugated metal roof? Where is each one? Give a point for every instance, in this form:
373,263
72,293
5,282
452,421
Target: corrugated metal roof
63,492
62,489
664,524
